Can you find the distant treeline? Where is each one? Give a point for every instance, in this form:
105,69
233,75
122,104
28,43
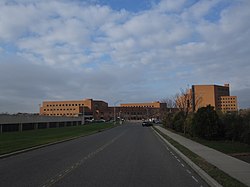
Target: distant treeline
211,125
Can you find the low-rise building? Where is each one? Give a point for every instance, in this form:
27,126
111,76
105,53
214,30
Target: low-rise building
92,108
96,109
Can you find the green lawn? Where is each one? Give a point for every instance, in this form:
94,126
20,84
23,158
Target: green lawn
227,147
14,141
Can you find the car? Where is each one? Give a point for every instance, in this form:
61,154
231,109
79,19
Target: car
146,123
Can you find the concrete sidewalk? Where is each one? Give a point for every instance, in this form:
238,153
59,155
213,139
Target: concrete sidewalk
235,168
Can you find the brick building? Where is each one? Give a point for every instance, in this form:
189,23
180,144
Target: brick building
214,95
92,108
139,111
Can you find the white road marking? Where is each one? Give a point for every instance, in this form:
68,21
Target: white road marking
188,171
59,176
195,179
178,160
183,165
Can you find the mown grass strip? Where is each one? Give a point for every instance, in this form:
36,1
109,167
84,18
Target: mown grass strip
220,176
15,141
224,146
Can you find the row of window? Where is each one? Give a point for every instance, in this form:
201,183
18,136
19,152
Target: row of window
57,109
228,109
65,105
130,113
227,98
142,106
227,101
227,105
68,114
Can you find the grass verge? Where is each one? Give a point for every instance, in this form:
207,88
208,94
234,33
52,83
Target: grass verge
220,176
224,146
227,147
15,141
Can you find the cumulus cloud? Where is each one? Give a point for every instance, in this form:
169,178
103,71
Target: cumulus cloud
75,49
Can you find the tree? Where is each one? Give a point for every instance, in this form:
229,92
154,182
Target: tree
170,103
168,120
185,101
206,123
188,124
233,126
178,121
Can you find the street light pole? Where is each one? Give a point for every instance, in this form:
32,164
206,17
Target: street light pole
83,116
115,111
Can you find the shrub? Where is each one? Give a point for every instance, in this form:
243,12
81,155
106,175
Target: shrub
178,121
206,123
167,120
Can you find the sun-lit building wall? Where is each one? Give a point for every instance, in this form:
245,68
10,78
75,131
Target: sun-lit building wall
214,95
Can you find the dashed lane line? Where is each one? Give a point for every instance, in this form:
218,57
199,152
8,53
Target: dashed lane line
196,180
65,172
188,171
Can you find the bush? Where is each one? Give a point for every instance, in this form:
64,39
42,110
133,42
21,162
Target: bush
233,126
206,123
188,124
178,121
209,124
167,120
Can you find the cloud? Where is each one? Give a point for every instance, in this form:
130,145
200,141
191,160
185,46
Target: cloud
170,6
75,49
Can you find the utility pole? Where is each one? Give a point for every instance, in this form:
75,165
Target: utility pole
115,111
83,115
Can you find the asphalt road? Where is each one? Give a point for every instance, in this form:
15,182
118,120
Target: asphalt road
128,155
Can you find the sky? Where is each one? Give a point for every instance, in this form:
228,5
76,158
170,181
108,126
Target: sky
120,50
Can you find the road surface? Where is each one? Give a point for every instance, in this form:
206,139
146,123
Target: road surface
128,155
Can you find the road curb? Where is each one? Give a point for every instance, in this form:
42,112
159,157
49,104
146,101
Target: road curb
196,168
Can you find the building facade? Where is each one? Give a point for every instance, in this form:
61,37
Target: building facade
214,95
139,111
93,109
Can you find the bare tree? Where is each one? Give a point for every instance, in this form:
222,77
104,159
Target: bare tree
170,102
186,101
183,100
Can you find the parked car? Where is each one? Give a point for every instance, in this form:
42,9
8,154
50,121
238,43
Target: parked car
146,123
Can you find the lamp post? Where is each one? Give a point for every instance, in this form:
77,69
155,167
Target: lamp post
115,111
83,116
